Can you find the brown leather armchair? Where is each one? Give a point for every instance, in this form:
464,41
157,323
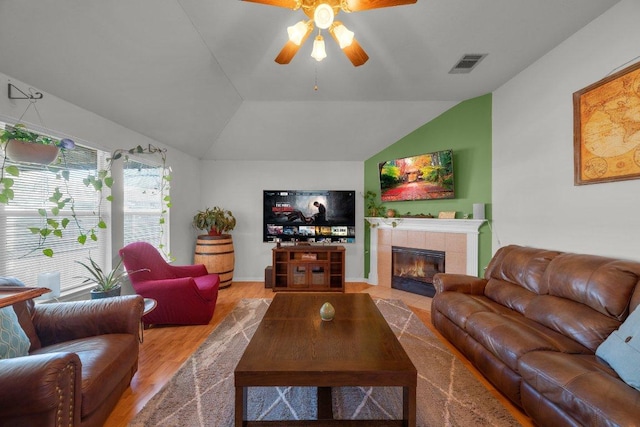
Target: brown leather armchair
83,356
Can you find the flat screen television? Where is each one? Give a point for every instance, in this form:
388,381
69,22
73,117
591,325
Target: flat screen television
425,177
309,216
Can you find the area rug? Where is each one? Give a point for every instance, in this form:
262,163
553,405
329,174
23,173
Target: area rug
202,393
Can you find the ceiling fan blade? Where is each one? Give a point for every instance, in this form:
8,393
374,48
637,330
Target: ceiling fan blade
356,53
290,48
357,5
289,4
287,53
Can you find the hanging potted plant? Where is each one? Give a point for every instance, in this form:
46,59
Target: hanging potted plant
108,284
22,145
215,249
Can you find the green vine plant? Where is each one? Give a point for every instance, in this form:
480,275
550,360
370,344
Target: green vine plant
104,179
53,222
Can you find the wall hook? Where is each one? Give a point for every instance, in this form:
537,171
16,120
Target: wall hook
35,95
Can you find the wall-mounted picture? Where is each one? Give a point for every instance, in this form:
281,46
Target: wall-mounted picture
424,177
606,118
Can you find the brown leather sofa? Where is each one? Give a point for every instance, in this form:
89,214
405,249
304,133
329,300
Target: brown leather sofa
82,357
532,326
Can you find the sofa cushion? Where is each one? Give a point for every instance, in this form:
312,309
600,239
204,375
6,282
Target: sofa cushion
604,284
621,350
509,337
509,294
106,359
458,307
572,319
581,386
522,266
13,341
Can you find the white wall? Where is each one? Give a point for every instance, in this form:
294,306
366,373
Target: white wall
90,129
238,185
534,200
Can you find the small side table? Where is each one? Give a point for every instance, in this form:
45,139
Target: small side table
149,305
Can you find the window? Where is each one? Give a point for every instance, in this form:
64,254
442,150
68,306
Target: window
143,199
22,257
143,204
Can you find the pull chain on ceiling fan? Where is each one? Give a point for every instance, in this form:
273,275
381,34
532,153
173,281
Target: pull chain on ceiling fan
321,14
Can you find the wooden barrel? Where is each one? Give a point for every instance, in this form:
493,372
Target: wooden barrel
216,253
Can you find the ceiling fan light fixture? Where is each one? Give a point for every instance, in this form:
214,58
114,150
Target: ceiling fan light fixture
323,16
344,36
318,53
297,32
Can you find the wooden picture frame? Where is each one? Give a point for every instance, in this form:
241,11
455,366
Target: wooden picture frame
606,129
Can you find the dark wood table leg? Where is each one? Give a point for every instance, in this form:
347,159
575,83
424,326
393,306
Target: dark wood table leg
241,406
325,405
409,406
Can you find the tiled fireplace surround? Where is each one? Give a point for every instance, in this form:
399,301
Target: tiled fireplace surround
458,238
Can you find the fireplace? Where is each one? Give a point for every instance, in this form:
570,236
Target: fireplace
412,269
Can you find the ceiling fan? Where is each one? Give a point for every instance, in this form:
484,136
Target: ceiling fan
322,14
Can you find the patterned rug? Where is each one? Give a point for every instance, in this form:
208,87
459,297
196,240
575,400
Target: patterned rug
202,392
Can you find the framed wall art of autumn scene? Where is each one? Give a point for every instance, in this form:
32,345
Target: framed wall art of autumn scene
607,129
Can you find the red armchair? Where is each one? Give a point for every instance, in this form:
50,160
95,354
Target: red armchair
186,295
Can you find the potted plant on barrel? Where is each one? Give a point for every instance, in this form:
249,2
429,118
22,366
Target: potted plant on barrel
216,221
108,284
215,250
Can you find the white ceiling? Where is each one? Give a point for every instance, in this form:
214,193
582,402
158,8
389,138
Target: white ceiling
200,75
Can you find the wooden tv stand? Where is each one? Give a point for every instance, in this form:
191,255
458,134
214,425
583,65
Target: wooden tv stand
308,268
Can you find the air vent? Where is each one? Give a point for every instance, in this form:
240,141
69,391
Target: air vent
467,63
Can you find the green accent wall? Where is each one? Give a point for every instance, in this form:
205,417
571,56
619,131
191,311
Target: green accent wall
466,129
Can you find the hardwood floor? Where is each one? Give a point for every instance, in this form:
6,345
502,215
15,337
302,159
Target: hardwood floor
165,348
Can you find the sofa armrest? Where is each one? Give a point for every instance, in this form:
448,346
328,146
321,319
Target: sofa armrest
41,389
459,283
194,270
66,321
170,291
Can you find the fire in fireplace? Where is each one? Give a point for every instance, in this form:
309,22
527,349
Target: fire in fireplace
412,269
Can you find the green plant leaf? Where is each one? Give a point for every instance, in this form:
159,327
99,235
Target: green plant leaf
8,182
42,212
116,156
4,199
53,223
82,239
57,233
94,237
34,230
110,198
102,224
65,222
12,170
65,175
48,252
108,181
44,232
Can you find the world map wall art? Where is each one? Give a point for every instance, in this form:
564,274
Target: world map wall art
606,131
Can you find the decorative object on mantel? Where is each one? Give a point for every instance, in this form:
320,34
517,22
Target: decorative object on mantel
447,215
606,137
374,208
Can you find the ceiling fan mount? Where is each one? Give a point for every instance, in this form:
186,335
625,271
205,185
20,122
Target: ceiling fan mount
321,14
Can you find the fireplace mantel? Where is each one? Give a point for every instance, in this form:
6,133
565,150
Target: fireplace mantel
428,224
469,227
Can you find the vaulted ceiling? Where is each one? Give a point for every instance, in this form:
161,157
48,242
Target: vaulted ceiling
200,75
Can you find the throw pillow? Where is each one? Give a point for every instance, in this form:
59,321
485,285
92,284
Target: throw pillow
13,341
621,350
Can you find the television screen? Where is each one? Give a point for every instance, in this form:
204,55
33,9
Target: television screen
423,177
311,216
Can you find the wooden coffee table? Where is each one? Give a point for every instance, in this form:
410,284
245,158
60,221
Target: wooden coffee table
294,347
